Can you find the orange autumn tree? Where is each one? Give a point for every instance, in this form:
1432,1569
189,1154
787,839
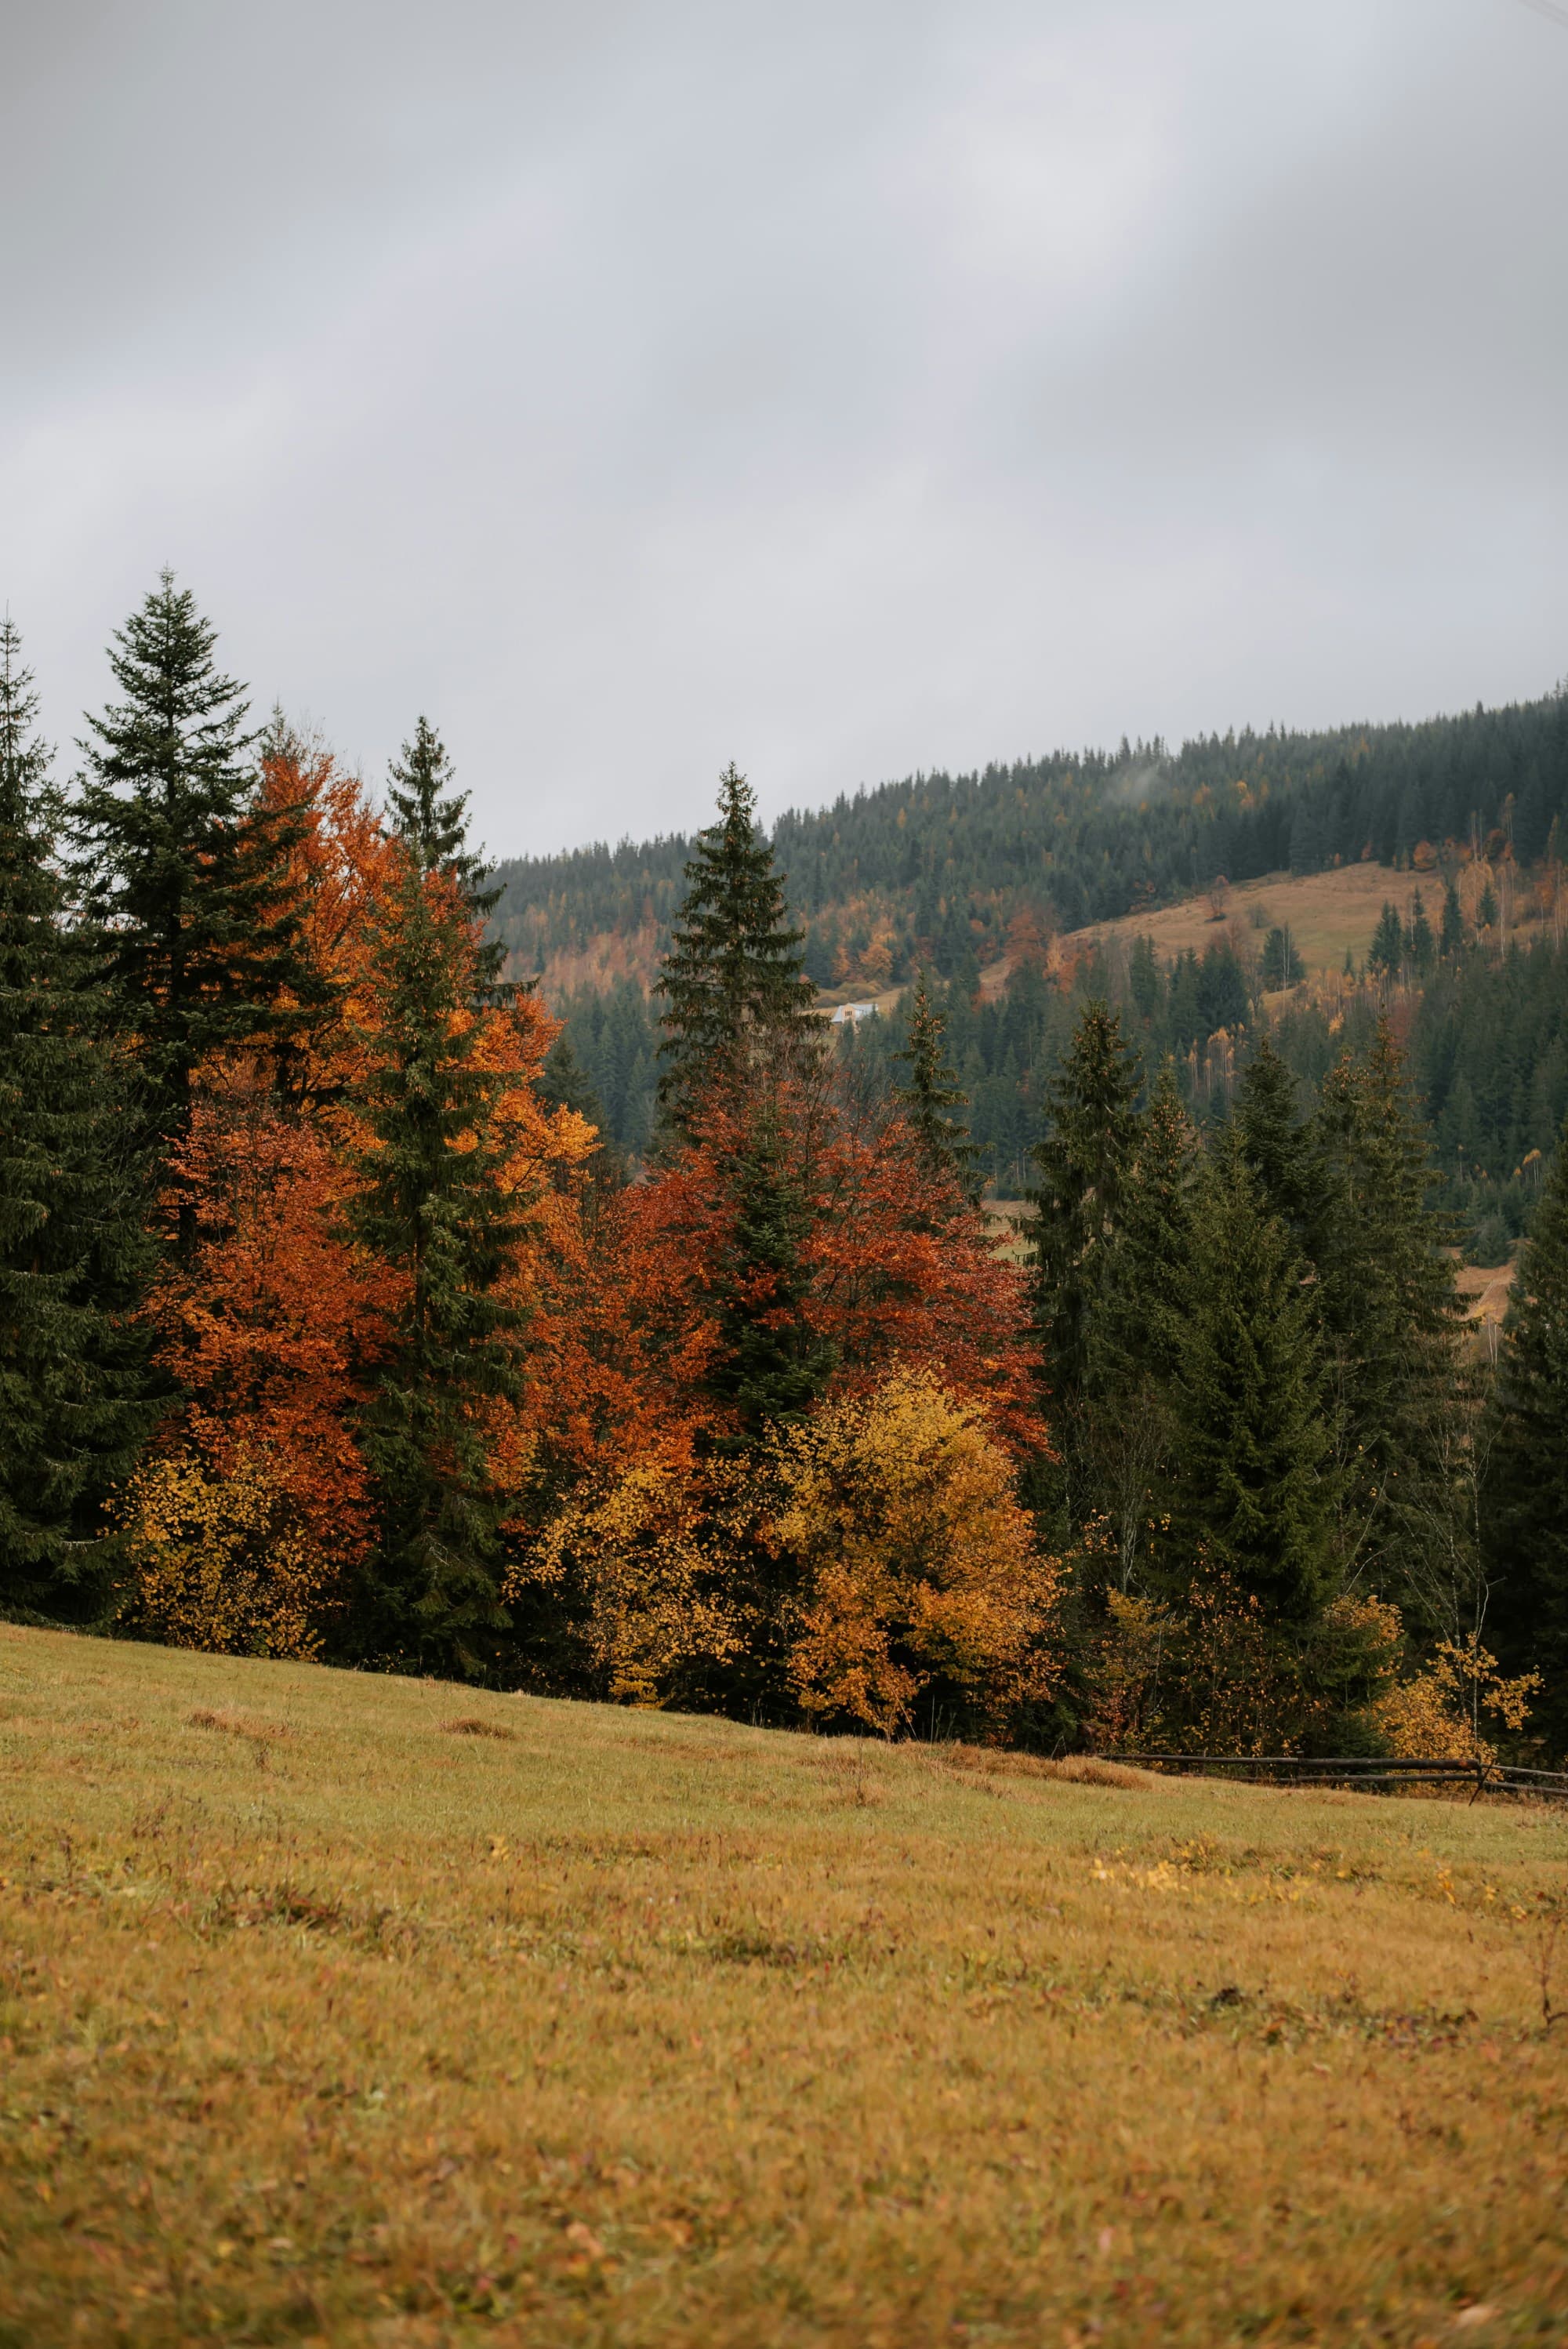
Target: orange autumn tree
262,1513
271,1323
873,1259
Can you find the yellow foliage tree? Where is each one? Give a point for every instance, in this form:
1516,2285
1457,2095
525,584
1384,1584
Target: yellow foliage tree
914,1560
223,1562
1436,1716
643,1563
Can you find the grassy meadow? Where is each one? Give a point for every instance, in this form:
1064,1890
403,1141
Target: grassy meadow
1328,914
341,2008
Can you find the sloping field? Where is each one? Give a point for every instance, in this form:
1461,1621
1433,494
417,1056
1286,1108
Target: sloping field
339,2009
1327,913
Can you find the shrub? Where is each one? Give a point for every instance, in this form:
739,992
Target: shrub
1437,1715
1213,1675
221,1562
912,1559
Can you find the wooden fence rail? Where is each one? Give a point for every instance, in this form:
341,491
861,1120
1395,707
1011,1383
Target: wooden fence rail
1362,1770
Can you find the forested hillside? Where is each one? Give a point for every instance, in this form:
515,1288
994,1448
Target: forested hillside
938,866
1003,884
1482,1006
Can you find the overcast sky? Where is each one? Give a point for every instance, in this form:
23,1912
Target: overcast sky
844,389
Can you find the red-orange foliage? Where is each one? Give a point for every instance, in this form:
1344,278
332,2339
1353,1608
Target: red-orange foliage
900,1272
620,1344
272,1325
339,873
271,1322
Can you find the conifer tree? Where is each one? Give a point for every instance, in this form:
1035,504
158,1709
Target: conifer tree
734,980
1452,937
1525,1495
1083,1164
1077,1234
74,1408
769,1366
1384,1294
1146,1298
1282,1149
932,1093
183,870
432,818
1282,964
1420,946
434,1203
1386,949
1125,1434
1254,1482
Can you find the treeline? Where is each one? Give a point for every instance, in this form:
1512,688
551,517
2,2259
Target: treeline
326,1326
329,1326
1251,1348
936,868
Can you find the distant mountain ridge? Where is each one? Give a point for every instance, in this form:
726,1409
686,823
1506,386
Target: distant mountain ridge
936,867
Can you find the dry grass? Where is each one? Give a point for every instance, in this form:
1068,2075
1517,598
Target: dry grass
1327,914
628,2030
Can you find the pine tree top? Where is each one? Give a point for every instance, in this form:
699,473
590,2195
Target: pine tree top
1280,1147
181,727
1092,1116
25,760
1256,1476
431,820
184,869
931,1091
734,979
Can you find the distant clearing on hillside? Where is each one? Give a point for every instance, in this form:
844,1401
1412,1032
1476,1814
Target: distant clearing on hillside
1328,916
344,2010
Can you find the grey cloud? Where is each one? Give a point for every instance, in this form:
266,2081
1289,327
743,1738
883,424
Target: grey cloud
842,389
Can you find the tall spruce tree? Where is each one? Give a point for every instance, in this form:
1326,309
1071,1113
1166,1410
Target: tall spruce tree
1143,1304
1083,1164
741,1030
1525,1494
1076,1235
1386,1297
1388,948
1254,1467
930,1096
1451,941
74,1405
431,819
1420,946
183,867
434,1202
734,980
1128,1428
